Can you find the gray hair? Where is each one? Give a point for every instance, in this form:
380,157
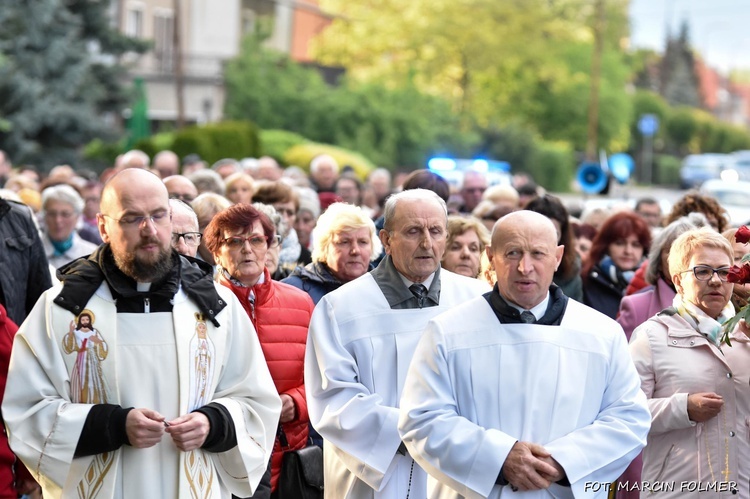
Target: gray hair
207,181
412,194
323,158
182,206
64,194
664,240
276,219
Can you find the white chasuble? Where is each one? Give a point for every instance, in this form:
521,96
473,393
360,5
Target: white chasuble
168,362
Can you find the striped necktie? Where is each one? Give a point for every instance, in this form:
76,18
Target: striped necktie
420,293
527,317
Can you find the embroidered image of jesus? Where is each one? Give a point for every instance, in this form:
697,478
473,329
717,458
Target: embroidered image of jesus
86,380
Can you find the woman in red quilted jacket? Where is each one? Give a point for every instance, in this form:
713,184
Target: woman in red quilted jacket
239,238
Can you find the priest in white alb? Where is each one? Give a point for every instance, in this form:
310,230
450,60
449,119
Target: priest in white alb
522,389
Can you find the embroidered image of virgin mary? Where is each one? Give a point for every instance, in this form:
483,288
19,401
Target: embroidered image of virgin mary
86,380
201,364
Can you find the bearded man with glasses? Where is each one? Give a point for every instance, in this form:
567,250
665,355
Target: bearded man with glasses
172,393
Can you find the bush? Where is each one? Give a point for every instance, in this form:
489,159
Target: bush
553,166
228,139
276,143
667,170
301,156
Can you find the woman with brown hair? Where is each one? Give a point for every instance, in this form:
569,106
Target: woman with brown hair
239,238
616,253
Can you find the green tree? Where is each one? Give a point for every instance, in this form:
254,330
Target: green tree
496,62
56,85
394,126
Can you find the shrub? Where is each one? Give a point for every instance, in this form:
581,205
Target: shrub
276,143
553,166
301,156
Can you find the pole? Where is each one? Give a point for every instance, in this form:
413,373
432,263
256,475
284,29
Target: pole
596,73
179,76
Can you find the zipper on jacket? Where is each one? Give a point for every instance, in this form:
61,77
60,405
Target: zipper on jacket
663,466
147,305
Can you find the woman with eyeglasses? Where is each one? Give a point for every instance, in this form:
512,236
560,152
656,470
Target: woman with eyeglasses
62,207
692,381
239,239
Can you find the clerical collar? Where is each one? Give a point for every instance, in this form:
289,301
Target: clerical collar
538,310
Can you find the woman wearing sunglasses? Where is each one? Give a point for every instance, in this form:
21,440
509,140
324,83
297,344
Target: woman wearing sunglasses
692,384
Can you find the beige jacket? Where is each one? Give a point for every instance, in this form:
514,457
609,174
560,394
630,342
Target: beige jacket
683,458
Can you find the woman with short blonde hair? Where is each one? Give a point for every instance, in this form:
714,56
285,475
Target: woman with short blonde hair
344,244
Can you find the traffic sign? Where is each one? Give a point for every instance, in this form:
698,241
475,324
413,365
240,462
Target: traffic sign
648,125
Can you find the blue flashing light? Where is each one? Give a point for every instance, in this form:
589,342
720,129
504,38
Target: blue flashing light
480,165
441,164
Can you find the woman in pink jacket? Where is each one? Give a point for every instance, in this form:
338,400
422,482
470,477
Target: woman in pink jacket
697,437
635,309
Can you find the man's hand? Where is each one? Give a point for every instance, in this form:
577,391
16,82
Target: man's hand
288,409
527,468
190,431
144,428
704,406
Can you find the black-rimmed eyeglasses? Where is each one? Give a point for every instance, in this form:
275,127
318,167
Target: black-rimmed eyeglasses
191,238
706,273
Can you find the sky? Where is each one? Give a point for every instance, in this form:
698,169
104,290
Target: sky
719,29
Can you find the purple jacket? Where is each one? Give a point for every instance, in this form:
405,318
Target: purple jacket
639,307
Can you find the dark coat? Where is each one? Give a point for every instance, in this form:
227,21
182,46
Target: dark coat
24,271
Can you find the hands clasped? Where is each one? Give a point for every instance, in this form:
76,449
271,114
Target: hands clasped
530,467
145,428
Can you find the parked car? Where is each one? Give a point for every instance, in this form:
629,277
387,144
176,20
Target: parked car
737,167
697,168
733,196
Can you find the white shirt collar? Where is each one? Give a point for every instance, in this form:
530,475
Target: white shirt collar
538,310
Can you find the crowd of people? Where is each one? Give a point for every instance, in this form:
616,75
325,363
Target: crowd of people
184,325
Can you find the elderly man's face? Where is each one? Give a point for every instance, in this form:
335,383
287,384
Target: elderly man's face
525,255
183,223
416,240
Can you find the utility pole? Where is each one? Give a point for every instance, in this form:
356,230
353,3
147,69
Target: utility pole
596,76
179,76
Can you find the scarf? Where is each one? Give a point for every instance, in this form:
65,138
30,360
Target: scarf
290,249
62,246
620,277
697,318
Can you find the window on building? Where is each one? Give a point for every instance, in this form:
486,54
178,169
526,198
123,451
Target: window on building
164,40
134,23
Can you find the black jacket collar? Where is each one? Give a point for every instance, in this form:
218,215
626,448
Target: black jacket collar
506,314
82,277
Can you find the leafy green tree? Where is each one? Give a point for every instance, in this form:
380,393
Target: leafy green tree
56,83
681,127
394,126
